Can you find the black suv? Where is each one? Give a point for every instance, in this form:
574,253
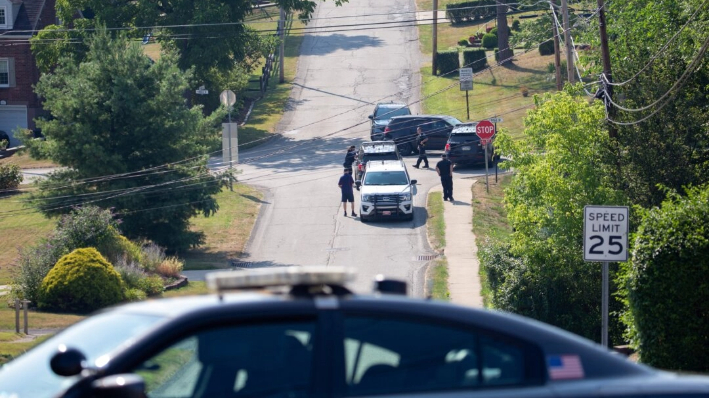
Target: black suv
402,130
376,150
383,112
464,146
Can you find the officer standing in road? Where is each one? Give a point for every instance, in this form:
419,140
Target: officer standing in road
421,141
445,171
350,157
345,185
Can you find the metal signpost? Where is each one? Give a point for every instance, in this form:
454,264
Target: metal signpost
605,239
228,98
485,130
466,84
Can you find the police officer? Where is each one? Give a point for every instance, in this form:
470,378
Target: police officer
444,168
350,158
421,141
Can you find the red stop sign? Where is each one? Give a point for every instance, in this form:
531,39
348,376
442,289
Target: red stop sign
485,130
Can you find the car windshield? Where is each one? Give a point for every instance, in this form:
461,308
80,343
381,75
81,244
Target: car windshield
94,337
389,112
386,178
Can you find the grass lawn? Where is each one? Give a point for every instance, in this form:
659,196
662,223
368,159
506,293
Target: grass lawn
438,277
9,350
436,230
24,160
490,219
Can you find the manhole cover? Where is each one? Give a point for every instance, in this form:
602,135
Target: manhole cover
426,257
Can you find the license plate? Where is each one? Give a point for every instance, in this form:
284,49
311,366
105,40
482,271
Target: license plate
386,213
465,148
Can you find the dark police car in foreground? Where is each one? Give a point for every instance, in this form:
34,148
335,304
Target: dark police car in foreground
298,332
464,146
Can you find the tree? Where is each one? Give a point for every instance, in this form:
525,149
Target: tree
559,169
121,128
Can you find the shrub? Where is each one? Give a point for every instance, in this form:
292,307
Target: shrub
463,42
476,59
546,48
524,90
489,41
516,25
447,61
470,10
170,267
668,284
493,31
151,256
82,281
151,285
135,295
131,274
10,176
121,250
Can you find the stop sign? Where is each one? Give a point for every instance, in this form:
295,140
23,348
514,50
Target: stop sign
485,130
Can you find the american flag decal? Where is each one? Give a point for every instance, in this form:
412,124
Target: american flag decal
564,367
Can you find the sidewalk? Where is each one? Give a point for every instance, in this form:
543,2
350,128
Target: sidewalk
461,250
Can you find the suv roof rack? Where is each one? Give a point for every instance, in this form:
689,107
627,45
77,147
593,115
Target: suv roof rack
303,280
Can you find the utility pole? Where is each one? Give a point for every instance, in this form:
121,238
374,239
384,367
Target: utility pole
557,51
435,36
606,57
281,55
567,40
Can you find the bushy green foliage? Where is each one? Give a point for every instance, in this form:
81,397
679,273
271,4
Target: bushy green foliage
516,25
470,11
476,59
463,42
10,176
151,285
81,281
152,256
546,47
135,295
447,61
493,31
489,41
668,284
559,170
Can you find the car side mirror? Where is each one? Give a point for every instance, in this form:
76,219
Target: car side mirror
119,386
413,182
371,117
67,361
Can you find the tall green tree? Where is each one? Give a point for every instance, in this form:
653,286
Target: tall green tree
121,128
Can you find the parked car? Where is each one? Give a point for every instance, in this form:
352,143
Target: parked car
300,332
386,191
383,112
370,151
402,130
465,147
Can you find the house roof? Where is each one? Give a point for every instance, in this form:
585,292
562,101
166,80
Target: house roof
27,21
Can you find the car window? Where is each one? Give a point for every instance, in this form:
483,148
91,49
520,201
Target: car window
253,360
389,112
385,178
386,356
452,121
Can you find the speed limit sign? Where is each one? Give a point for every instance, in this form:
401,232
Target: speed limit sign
605,233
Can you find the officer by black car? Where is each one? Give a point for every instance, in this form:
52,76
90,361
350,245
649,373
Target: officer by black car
444,168
421,144
350,157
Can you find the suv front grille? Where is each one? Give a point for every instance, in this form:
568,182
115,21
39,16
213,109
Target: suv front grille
386,198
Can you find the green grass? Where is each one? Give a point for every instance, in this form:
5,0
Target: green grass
438,278
436,224
10,350
193,288
22,159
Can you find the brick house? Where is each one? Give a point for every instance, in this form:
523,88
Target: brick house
19,21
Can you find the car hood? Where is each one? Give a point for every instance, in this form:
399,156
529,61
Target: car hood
384,189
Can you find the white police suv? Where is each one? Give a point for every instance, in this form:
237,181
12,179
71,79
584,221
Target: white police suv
386,191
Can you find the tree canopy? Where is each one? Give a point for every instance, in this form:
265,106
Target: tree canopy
120,126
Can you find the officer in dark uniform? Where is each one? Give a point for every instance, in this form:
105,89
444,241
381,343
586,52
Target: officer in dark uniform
421,141
350,158
445,171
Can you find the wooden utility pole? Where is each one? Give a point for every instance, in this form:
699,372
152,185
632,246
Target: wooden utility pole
435,37
557,51
567,41
505,53
606,57
281,55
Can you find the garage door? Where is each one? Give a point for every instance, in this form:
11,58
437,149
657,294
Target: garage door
12,117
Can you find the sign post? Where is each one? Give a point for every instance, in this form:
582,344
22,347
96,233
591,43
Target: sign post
485,130
228,98
605,238
466,84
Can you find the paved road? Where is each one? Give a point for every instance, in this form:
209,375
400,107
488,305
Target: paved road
340,77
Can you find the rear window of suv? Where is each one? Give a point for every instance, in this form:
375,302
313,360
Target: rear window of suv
379,156
391,111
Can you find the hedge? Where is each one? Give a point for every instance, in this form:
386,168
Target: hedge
476,59
10,176
489,41
668,284
468,11
447,61
546,48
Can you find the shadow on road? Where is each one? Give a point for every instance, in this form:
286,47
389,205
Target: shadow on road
328,44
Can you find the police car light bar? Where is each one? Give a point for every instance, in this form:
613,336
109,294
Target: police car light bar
279,276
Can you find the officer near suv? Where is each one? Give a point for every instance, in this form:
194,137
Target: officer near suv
421,142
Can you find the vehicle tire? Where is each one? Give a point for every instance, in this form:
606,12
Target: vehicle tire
406,149
410,217
363,218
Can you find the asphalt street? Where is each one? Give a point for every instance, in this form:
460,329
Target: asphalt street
340,77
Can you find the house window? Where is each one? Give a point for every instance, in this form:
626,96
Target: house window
3,17
4,72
